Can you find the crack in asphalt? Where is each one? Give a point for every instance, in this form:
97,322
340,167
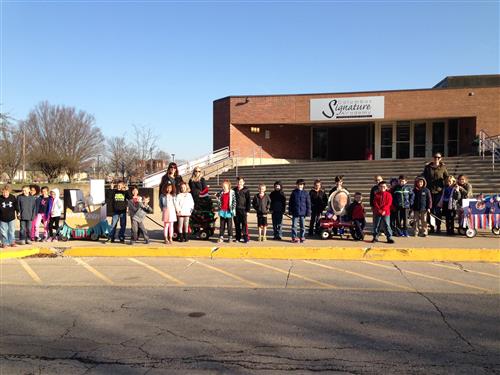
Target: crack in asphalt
288,275
436,307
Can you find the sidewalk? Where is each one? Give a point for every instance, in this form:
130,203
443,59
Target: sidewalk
482,248
438,248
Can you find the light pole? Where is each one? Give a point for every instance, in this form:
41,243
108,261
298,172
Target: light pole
173,158
98,166
151,156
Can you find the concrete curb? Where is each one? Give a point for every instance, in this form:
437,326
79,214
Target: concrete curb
18,253
289,252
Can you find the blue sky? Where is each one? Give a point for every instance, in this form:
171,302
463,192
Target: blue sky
161,64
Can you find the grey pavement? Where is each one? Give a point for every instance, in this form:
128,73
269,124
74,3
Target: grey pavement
165,315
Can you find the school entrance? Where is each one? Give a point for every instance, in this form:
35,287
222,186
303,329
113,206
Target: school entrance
417,139
342,142
392,139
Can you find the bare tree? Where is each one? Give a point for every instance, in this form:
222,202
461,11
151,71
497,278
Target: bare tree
61,139
145,143
10,152
122,157
162,155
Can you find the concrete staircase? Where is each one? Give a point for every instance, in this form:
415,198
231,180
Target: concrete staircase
358,174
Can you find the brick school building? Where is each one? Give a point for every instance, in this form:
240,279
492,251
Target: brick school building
393,124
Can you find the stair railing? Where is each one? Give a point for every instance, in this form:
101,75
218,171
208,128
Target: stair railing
490,144
212,161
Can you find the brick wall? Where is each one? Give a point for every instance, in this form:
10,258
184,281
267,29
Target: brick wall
293,112
285,142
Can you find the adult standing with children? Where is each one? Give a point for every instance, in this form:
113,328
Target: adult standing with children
435,173
197,183
171,177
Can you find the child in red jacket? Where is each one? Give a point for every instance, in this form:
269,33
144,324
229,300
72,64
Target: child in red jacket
382,212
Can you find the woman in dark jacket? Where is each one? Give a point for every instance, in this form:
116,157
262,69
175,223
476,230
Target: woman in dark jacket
172,176
197,183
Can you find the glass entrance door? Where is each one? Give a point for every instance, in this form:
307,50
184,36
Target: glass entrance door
419,139
320,143
438,138
403,140
386,141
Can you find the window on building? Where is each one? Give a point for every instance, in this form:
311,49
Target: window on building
419,140
453,137
386,141
403,140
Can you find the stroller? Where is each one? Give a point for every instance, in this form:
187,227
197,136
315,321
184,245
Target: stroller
203,217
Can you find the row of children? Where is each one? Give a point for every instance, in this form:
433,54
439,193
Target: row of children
34,206
416,201
235,204
175,207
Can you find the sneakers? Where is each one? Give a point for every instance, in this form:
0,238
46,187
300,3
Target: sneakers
390,240
375,239
221,240
302,240
230,239
146,242
295,240
13,244
264,238
28,242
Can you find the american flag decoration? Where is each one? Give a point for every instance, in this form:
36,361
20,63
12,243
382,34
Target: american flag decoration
479,214
495,211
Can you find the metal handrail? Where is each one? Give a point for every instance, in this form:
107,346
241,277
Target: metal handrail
211,159
491,144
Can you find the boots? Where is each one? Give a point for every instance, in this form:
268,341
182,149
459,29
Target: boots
186,238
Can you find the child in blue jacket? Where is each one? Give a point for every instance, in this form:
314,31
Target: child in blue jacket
299,207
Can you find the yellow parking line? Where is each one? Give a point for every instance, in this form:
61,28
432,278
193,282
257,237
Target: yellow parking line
432,277
325,285
359,275
236,277
30,271
468,270
92,270
159,272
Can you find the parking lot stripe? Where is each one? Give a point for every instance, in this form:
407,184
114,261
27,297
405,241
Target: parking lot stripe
358,275
232,275
325,285
92,270
159,272
30,271
456,268
432,277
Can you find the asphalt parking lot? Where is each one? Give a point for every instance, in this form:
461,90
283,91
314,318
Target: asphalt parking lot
253,273
133,315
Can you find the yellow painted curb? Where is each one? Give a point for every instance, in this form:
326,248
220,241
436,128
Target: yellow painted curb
290,252
18,253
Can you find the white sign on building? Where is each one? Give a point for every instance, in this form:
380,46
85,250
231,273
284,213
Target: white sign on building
352,108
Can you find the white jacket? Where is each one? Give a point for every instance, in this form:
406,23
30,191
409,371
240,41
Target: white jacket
184,204
57,206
